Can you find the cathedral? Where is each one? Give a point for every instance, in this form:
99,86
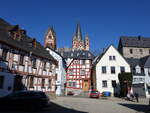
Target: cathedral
77,43
50,39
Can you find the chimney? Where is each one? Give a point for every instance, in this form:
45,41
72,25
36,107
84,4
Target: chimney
139,37
34,42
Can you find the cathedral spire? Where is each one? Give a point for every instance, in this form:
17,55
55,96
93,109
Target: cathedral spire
78,32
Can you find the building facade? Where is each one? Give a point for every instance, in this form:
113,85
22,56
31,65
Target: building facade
134,47
78,72
24,62
141,75
60,71
107,66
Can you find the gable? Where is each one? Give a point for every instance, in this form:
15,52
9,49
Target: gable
112,52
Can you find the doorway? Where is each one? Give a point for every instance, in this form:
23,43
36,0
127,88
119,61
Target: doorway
85,85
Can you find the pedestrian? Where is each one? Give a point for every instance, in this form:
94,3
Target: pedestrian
136,96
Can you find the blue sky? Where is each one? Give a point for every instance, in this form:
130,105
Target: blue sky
103,20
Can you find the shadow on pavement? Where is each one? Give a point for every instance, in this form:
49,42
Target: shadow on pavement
53,108
138,107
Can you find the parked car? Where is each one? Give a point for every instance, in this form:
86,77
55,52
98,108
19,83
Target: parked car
28,100
94,94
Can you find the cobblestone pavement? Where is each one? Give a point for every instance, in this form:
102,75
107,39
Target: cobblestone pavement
109,105
87,105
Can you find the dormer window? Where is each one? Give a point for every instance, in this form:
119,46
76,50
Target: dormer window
138,69
71,54
33,43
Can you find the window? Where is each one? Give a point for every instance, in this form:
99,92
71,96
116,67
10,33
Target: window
82,72
4,54
122,69
113,70
1,81
50,37
110,57
44,66
83,62
103,69
21,59
43,83
131,51
149,72
72,84
71,72
104,83
142,70
34,62
141,51
114,57
49,83
114,83
31,82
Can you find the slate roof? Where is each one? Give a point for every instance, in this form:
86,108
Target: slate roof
142,62
133,62
139,41
24,43
3,23
77,54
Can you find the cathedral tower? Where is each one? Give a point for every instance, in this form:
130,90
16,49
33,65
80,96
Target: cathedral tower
78,43
87,43
50,38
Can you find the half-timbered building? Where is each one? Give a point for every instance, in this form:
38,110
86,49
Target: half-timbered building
78,72
24,62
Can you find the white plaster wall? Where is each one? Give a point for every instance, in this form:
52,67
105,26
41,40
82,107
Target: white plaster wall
108,76
147,76
60,71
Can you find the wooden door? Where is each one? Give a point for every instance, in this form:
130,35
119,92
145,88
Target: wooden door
18,83
85,85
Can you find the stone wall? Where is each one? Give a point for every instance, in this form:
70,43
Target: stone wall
136,52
